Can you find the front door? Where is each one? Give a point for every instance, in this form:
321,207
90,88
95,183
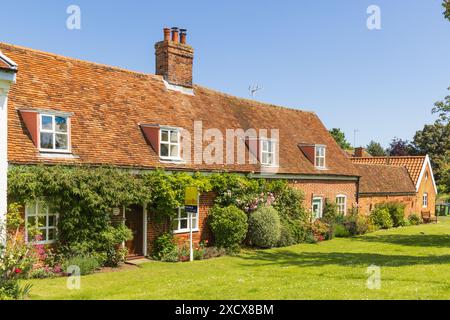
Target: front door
134,221
317,208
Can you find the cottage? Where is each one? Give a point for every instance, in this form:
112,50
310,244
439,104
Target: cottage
72,112
407,179
65,111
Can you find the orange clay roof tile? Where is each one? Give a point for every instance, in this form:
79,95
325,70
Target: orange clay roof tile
109,103
413,164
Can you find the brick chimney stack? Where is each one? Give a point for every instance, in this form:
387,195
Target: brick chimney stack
174,58
360,152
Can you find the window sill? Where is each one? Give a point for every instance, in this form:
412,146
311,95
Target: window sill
185,231
57,155
179,161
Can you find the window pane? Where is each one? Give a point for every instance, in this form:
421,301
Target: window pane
174,150
52,234
269,158
174,136
47,123
43,234
184,224
61,141
46,140
52,221
265,158
165,136
183,214
60,124
269,146
31,221
42,221
194,223
164,150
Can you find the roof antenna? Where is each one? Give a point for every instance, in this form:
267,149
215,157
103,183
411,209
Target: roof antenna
253,90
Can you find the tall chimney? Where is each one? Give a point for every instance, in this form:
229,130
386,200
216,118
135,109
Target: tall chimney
359,152
174,58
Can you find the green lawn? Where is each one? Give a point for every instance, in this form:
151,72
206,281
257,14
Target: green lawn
414,261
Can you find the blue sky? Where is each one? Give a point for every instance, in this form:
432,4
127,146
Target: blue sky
313,55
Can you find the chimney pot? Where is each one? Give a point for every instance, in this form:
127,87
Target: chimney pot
166,34
183,36
175,34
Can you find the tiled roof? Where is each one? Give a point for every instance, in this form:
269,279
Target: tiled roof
5,64
384,179
108,104
413,164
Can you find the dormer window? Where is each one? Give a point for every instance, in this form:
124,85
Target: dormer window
54,133
319,159
267,152
169,144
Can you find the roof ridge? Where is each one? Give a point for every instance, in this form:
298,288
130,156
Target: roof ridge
102,65
256,102
66,58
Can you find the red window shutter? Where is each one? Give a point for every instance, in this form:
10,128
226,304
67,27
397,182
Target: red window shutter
31,120
151,134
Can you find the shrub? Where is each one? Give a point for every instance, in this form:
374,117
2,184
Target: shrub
414,219
340,231
330,211
321,230
287,236
264,227
17,257
214,252
229,226
396,211
164,248
381,218
87,264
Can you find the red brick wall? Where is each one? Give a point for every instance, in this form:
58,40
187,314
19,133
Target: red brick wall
156,227
327,189
368,203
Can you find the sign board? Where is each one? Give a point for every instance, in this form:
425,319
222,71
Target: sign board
190,209
191,197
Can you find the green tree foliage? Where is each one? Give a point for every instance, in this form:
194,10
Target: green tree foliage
399,147
434,140
375,149
339,137
446,5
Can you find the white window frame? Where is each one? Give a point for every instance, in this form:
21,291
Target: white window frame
46,227
54,132
425,200
341,196
263,151
179,219
316,157
169,143
321,207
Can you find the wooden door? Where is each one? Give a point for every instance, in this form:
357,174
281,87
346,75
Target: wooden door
134,221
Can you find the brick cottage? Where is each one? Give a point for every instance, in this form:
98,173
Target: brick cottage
59,110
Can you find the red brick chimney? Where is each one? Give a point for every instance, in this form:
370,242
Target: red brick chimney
174,58
360,152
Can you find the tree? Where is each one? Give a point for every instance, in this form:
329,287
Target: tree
446,5
434,140
399,147
339,137
375,149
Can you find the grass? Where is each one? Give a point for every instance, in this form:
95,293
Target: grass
414,261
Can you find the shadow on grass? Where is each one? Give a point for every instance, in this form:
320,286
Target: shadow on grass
419,240
307,259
